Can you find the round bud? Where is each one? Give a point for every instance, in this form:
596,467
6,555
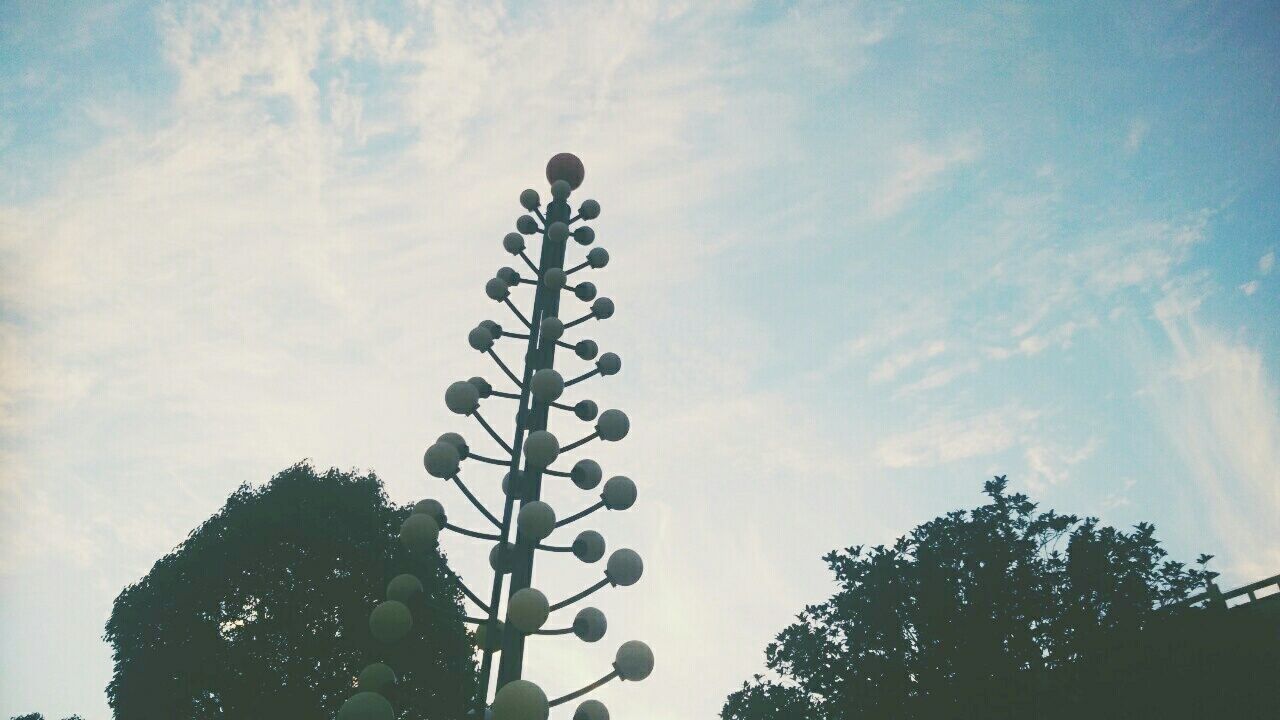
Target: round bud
591,710
550,329
483,386
624,567
619,493
528,610
584,235
497,290
515,489
366,706
526,225
500,557
462,397
547,385
586,473
535,521
634,661
441,460
490,638
509,276
456,440
609,364
588,546
586,349
494,328
529,199
585,410
567,167
390,620
378,678
513,243
480,338
613,425
419,533
589,624
590,210
557,232
585,291
520,700
602,308
554,278
432,509
403,587
598,257
541,448
560,190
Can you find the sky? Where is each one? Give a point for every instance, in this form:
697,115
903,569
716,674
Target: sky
864,255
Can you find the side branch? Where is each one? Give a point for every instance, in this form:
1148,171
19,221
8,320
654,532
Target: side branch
581,514
492,434
571,600
476,502
579,693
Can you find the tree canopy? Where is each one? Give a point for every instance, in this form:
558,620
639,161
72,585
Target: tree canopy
1000,611
264,611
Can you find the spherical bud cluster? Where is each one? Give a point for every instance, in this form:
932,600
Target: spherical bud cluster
613,425
390,621
584,235
589,546
634,661
541,448
586,473
584,291
598,257
602,308
619,493
624,567
609,364
586,349
547,385
589,624
535,522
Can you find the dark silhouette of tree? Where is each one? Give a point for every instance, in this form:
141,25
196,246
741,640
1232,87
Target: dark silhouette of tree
1004,611
263,611
40,716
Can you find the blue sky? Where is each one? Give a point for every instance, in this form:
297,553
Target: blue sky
864,256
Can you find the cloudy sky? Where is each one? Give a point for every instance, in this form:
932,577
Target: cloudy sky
865,256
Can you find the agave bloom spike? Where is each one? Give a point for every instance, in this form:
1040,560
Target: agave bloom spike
525,520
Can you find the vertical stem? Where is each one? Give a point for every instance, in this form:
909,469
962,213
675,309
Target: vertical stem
541,355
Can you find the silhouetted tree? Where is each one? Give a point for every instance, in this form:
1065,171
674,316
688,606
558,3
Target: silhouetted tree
40,716
263,611
998,612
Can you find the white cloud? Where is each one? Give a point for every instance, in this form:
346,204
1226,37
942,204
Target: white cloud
1138,129
894,364
1249,288
917,168
1049,464
946,440
1221,412
1266,262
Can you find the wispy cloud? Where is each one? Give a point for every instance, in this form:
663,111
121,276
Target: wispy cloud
917,168
942,441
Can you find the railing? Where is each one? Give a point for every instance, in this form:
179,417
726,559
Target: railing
1213,597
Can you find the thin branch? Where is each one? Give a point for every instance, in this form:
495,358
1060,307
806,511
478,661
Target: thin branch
582,377
579,321
492,434
517,312
479,505
579,443
579,515
470,533
505,369
529,262
575,598
579,693
576,268
491,461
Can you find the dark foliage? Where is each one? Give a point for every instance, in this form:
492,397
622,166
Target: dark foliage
263,611
40,716
1000,612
